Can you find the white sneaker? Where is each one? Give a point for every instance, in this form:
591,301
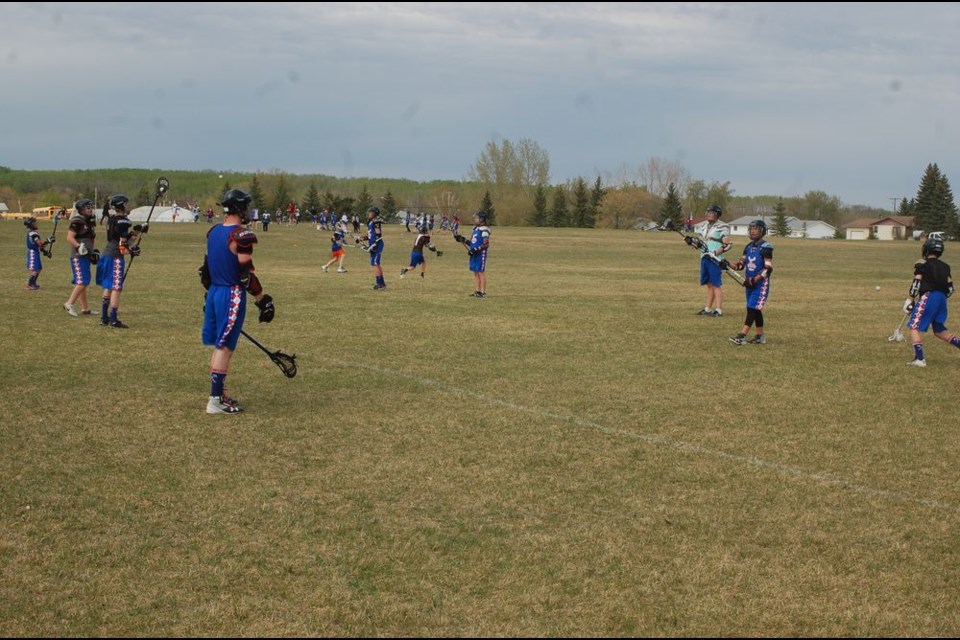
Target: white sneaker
403,272
216,405
70,310
341,270
918,363
324,267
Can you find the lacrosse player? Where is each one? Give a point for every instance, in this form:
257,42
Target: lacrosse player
716,235
336,247
110,267
375,246
34,246
757,261
227,270
81,235
932,285
477,247
416,254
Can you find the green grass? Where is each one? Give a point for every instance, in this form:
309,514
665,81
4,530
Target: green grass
577,455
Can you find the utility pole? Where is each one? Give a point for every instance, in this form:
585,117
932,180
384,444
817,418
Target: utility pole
895,201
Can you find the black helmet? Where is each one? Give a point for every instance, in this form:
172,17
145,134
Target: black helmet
119,202
715,208
932,248
482,216
236,201
83,202
758,224
30,223
375,209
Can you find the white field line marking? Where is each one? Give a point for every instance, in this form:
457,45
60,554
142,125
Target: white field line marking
785,470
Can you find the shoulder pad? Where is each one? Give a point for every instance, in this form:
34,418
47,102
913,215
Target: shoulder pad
245,239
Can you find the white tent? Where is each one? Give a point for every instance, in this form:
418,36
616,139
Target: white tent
162,214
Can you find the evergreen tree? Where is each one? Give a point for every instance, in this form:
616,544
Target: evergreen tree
539,216
281,195
581,204
672,208
596,199
934,209
364,201
558,214
389,205
486,205
312,200
256,192
906,207
780,227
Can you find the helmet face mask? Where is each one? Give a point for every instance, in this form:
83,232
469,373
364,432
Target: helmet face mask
757,228
30,223
82,204
375,210
715,208
481,216
119,203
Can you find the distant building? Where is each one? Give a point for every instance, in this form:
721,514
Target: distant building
815,229
889,228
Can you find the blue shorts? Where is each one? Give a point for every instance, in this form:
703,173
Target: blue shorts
80,268
757,297
375,257
931,308
416,259
478,263
223,317
710,272
110,272
33,260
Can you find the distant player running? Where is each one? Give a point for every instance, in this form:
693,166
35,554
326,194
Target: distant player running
416,254
932,285
337,251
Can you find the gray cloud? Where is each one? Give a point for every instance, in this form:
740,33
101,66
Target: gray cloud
853,99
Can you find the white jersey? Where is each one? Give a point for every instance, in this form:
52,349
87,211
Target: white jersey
714,234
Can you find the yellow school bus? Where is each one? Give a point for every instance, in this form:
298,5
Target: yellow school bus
46,213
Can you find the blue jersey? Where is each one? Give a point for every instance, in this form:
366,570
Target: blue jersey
754,255
224,264
336,242
374,236
33,251
479,243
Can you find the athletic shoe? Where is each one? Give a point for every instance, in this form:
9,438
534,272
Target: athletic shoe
70,310
704,312
117,324
32,287
403,272
222,404
716,313
739,339
423,274
341,270
761,339
476,294
86,312
324,267
918,363
377,287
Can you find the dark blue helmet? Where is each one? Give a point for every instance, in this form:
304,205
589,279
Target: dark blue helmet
119,202
759,224
375,210
715,208
30,223
236,201
481,216
932,248
83,202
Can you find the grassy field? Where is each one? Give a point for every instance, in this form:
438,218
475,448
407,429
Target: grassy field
577,455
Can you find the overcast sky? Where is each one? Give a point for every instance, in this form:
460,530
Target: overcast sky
778,99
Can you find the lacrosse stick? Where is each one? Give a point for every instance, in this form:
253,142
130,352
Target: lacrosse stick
162,185
699,245
897,335
287,363
48,250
